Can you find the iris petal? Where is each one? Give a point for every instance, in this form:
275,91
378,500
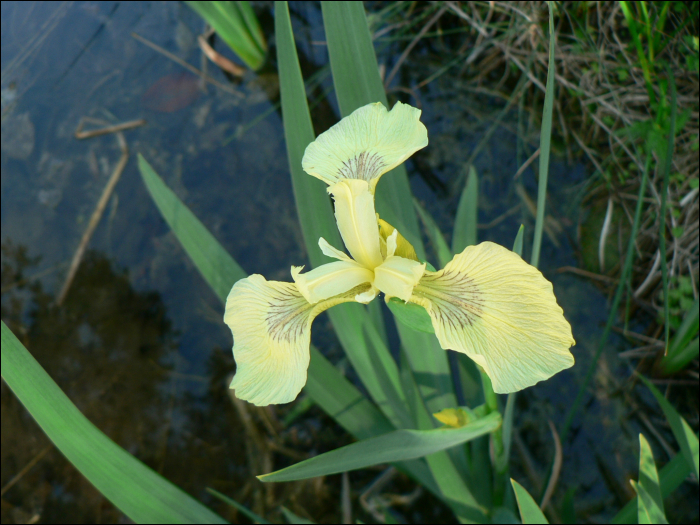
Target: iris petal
500,311
366,144
271,326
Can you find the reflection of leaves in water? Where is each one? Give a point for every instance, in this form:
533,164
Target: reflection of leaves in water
103,348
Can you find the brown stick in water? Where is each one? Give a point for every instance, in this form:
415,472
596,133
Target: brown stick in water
96,216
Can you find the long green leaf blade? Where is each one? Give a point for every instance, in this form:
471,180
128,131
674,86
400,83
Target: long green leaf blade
139,492
442,249
649,481
671,476
452,487
399,445
312,202
317,220
357,83
465,222
214,263
326,385
545,144
687,440
648,512
237,26
529,510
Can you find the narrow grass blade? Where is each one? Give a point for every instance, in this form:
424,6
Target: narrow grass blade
649,481
670,478
687,440
465,222
545,143
684,346
237,25
357,83
629,259
664,197
529,511
252,516
139,492
442,250
646,69
399,445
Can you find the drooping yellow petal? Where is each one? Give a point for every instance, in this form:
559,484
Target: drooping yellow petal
403,248
500,311
366,144
329,280
271,325
357,221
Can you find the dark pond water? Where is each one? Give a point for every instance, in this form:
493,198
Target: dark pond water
139,344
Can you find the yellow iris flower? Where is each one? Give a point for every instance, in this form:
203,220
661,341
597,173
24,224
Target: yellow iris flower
487,302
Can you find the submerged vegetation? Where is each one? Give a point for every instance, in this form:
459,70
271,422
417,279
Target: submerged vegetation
612,85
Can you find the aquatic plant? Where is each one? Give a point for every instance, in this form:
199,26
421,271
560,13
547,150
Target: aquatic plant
487,302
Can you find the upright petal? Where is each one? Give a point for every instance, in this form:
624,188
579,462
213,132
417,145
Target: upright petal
366,144
357,221
271,326
500,311
329,280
